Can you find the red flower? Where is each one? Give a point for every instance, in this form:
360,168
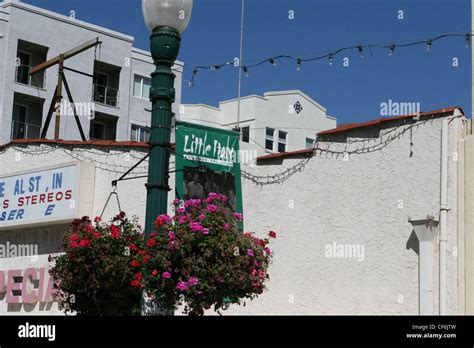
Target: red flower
114,231
73,245
263,243
74,237
138,276
135,263
151,243
97,235
97,219
146,258
84,243
89,229
154,273
135,283
133,247
272,234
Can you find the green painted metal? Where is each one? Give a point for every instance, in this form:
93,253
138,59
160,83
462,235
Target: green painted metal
165,43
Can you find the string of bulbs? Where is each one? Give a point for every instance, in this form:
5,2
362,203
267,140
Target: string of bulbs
391,47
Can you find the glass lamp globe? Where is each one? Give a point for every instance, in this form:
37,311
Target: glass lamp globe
169,13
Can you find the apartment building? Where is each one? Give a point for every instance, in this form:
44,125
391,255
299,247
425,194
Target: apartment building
112,102
280,121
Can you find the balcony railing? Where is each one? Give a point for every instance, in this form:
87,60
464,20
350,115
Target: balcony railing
22,130
21,76
106,95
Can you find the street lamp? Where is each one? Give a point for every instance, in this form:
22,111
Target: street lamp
166,20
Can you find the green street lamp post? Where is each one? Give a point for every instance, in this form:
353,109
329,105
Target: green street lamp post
166,20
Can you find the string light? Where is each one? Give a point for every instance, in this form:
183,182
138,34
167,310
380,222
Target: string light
391,50
429,44
330,56
298,64
246,71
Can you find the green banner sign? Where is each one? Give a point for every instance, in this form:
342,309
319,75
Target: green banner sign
207,160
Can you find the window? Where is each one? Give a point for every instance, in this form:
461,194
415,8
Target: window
98,130
246,134
310,143
269,138
141,87
140,133
282,141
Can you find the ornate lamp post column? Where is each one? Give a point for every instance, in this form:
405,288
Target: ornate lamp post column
166,20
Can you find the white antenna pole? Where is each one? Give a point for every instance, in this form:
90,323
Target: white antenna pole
240,63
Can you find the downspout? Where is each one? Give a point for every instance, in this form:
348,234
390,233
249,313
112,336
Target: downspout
443,211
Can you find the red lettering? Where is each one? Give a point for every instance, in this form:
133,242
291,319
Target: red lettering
6,204
21,202
42,198
50,197
68,194
33,199
59,196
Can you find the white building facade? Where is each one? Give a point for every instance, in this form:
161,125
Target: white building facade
276,122
345,244
111,105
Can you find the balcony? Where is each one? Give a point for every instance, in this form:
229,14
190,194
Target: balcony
23,130
37,81
106,95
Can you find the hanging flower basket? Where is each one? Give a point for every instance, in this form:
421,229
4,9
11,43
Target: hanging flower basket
200,258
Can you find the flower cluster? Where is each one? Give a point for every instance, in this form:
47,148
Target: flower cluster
200,258
95,272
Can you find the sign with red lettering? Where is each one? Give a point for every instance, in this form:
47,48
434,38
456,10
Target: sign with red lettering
39,197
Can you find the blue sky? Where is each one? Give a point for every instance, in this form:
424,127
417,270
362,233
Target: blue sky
352,94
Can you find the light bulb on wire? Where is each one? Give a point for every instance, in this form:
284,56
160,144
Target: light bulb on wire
331,58
272,61
468,40
361,51
391,50
429,44
298,64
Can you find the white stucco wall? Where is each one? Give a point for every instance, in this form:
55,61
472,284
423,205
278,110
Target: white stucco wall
353,202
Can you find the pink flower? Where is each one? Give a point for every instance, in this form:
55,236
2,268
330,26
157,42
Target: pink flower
97,219
268,251
180,210
205,231
238,217
212,208
172,236
250,252
182,286
166,275
195,226
202,217
193,281
183,219
154,273
226,227
176,202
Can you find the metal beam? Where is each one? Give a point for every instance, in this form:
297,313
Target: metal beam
66,55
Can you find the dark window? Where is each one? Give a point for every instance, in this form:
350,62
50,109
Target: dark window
282,141
246,134
269,139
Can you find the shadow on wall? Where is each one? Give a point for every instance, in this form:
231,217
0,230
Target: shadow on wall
413,243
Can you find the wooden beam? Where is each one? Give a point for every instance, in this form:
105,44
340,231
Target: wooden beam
66,55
